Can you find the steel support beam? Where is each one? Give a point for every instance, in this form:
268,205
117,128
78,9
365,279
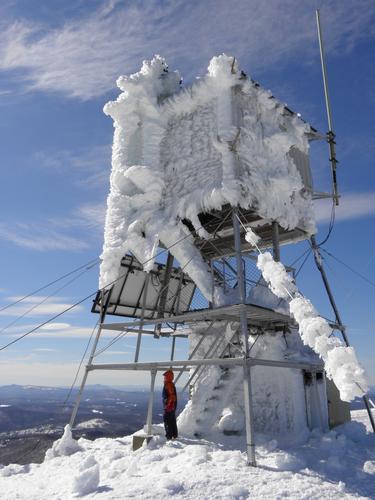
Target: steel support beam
151,403
187,364
164,292
165,365
195,349
169,333
256,314
276,241
144,301
103,310
330,134
173,347
249,417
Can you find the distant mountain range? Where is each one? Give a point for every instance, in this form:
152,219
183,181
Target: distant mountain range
26,406
32,417
60,393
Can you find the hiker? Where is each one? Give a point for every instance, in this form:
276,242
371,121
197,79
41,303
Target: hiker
170,405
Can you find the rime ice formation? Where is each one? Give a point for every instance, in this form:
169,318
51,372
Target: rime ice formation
341,363
178,153
251,237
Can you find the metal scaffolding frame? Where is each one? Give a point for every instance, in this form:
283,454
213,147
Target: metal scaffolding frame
243,314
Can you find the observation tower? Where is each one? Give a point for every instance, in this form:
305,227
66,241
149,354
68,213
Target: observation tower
207,183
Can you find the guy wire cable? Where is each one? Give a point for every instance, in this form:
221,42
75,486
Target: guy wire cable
35,306
88,264
350,268
304,262
331,224
80,364
47,321
94,293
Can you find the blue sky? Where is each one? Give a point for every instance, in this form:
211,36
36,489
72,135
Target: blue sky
59,62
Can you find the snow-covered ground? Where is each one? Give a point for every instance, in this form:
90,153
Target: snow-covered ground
337,464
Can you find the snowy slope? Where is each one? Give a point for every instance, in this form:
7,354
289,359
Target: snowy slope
338,464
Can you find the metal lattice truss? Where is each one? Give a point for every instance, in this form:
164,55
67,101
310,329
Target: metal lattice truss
163,302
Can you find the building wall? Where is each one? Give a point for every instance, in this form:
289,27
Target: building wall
284,406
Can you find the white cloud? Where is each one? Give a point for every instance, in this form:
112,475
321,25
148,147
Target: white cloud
116,353
58,233
40,236
39,306
352,206
55,326
62,374
66,331
45,349
84,56
88,216
72,332
88,167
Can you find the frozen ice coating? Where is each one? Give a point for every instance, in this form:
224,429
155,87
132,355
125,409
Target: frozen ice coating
251,237
216,406
279,281
341,363
178,153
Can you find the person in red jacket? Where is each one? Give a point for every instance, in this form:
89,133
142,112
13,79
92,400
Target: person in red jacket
170,405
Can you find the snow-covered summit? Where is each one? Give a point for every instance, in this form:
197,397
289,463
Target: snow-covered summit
339,464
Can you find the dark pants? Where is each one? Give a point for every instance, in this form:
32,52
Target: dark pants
170,424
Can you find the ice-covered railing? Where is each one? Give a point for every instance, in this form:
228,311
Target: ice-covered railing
178,153
341,363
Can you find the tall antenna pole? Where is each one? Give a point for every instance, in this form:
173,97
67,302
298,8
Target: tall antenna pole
330,135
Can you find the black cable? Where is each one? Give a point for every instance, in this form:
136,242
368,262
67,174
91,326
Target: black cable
80,364
91,262
331,224
303,263
300,257
46,322
255,341
110,344
350,268
91,294
45,299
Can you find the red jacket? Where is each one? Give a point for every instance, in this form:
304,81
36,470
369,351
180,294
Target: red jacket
169,392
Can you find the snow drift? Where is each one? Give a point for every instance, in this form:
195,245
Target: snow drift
335,465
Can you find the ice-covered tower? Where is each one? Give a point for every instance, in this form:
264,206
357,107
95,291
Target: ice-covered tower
183,158
194,172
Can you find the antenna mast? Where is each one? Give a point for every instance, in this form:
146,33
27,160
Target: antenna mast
330,134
